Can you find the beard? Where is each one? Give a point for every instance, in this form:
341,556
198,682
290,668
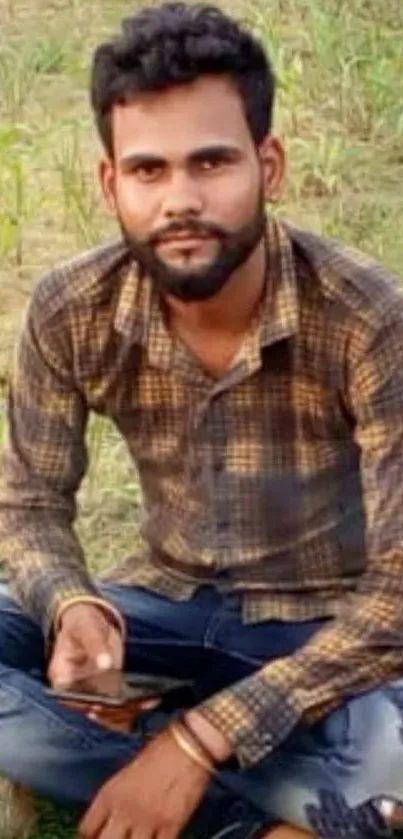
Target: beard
204,282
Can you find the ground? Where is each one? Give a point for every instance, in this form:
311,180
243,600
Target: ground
340,70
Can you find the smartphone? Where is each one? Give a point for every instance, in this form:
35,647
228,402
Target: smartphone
114,689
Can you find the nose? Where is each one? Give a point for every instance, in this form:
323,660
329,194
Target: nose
183,198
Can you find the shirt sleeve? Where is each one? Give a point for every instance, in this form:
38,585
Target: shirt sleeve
43,462
363,647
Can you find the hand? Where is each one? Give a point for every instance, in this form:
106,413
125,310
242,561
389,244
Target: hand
152,798
88,640
117,719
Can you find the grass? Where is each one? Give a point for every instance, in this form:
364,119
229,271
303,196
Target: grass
340,69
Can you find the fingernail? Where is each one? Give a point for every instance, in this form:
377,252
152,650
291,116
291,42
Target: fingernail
104,661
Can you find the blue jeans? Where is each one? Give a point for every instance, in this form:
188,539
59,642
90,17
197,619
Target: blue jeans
323,778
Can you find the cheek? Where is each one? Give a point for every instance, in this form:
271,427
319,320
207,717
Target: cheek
237,199
137,208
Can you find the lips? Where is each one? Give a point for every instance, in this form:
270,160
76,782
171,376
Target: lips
189,241
185,236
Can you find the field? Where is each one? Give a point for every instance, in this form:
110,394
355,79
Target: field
340,70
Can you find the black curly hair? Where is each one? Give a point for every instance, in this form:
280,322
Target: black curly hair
175,43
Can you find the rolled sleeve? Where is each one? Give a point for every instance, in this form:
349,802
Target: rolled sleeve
244,715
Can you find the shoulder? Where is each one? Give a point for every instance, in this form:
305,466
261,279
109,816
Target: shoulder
85,280
359,286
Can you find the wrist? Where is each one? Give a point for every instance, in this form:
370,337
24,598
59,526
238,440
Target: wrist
77,604
194,750
212,740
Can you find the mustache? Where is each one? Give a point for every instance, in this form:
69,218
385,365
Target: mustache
199,228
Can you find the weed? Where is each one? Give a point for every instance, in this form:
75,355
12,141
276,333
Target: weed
80,202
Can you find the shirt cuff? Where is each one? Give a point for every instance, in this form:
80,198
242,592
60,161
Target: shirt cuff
254,716
107,607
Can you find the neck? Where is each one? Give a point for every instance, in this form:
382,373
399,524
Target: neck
233,308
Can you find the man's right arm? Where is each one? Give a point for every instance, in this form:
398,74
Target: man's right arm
44,460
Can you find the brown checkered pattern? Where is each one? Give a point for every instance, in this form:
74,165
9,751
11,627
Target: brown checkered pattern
282,479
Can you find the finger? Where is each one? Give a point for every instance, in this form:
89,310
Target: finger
63,675
98,713
66,658
116,647
94,820
149,704
166,833
115,829
142,833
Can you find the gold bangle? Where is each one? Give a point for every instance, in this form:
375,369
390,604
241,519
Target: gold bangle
190,749
197,740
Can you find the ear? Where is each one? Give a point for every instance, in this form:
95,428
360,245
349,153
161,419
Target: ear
107,178
273,161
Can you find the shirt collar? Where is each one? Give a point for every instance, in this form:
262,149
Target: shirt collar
139,317
279,313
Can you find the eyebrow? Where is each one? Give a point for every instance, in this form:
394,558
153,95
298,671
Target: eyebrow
132,160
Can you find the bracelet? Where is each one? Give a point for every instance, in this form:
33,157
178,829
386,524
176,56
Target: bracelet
191,750
199,742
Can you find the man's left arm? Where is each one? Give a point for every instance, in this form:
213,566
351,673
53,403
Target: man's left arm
363,647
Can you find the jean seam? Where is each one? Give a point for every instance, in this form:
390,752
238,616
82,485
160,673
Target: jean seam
238,656
218,619
215,622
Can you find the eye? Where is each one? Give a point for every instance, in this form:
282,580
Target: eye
212,162
147,172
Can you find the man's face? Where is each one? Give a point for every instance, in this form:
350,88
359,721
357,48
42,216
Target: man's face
187,185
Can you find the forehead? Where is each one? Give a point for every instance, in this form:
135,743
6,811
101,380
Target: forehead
172,122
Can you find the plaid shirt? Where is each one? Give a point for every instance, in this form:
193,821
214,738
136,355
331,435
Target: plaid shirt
282,479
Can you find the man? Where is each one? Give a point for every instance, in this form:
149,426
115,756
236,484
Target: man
255,372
